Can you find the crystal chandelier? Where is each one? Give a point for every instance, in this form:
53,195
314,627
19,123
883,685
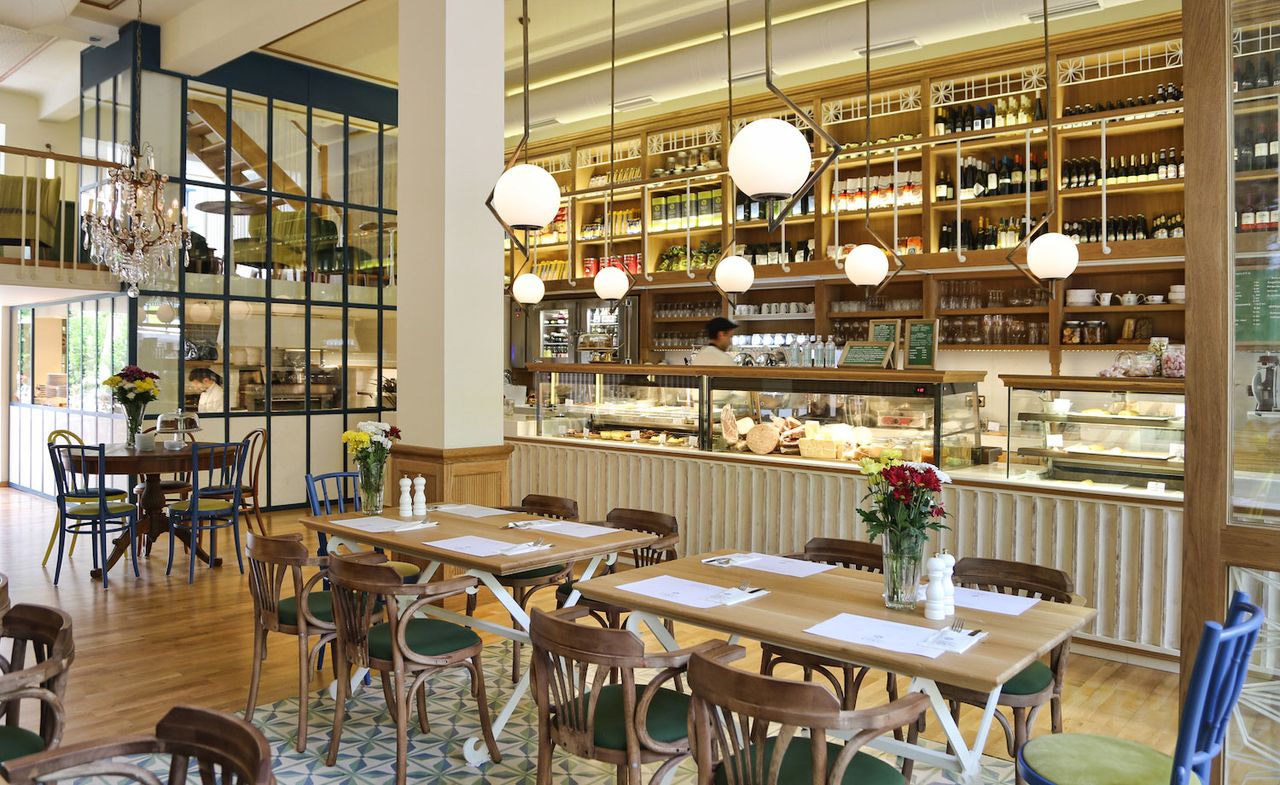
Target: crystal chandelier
128,228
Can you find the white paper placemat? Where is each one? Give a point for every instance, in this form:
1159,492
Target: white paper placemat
995,602
692,594
470,510
763,562
377,524
482,546
888,635
566,528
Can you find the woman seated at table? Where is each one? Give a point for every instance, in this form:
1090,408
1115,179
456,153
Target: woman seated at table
210,386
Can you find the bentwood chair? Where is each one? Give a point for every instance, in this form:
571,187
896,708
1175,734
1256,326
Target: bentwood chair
1037,684
307,614
664,526
336,493
225,749
83,504
257,440
405,650
855,554
1217,677
523,585
4,594
733,711
43,633
627,724
113,495
216,473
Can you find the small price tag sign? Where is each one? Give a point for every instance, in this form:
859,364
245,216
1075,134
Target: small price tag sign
993,426
1157,487
1053,440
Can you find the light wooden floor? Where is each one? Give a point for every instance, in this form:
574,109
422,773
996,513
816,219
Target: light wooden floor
146,645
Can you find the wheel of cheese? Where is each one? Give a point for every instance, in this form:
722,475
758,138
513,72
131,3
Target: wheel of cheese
763,439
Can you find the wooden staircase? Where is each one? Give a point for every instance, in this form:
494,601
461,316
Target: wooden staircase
206,130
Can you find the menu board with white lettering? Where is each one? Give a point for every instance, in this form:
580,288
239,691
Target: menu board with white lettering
922,342
1258,306
867,354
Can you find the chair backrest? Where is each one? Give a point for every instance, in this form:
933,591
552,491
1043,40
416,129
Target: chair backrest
564,653
271,560
4,594
550,506
257,439
217,469
356,584
856,554
733,711
329,494
1219,673
72,481
64,437
226,749
1013,577
661,524
46,633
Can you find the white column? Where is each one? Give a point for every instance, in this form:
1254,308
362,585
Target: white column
450,316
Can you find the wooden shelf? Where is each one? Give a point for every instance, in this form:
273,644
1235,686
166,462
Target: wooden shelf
1121,121
1107,347
1258,176
798,219
696,231
991,201
1151,186
908,150
879,212
998,311
995,134
626,238
681,319
994,347
773,317
844,315
1126,309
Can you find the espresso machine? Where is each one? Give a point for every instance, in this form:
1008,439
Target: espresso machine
1265,384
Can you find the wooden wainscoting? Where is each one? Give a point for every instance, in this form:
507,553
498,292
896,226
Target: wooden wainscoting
476,475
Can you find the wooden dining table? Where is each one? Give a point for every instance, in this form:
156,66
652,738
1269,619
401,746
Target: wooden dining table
598,551
153,520
795,604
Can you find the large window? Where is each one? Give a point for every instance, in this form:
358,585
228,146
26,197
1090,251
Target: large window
61,352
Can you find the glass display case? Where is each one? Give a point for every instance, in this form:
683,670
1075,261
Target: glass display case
1112,434
833,415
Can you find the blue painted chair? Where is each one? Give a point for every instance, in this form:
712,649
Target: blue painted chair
86,503
113,495
1222,663
336,493
217,471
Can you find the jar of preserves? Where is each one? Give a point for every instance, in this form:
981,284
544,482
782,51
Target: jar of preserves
1174,361
1072,332
1095,332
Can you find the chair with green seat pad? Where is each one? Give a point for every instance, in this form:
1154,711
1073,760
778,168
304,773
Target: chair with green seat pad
1040,682
1217,678
734,710
79,475
42,650
217,469
273,563
405,650
524,585
113,495
589,703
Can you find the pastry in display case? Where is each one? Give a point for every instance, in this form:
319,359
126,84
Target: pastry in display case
633,408
1110,433
837,416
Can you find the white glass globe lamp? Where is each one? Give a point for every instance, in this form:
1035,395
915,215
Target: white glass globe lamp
769,159
611,283
866,265
526,197
528,289
734,274
1052,256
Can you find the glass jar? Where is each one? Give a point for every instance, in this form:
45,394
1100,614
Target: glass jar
1144,364
1173,361
1095,332
1072,332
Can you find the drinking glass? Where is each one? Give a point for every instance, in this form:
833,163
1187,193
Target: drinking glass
995,298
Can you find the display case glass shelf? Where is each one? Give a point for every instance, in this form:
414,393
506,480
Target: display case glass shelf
826,415
1108,433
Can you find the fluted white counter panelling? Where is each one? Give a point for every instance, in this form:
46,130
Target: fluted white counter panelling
1123,553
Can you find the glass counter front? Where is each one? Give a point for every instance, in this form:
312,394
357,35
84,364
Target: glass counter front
827,415
1111,434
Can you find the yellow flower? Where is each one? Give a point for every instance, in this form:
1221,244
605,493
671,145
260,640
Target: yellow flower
355,441
112,381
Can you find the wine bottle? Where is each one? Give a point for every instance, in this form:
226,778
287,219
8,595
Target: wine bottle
939,122
989,116
1182,166
1113,172
1002,112
1038,113
1044,172
1260,147
1162,171
1265,76
993,178
1249,77
1016,176
1273,149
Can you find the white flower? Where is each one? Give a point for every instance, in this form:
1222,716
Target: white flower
380,439
929,467
373,427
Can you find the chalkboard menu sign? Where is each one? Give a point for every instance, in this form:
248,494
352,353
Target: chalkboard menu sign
887,331
867,354
1258,306
922,342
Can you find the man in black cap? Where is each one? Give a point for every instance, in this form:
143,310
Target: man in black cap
719,339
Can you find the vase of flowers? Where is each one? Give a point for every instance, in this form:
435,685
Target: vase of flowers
133,388
904,504
370,444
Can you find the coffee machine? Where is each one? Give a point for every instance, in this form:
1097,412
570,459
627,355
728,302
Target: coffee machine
1266,383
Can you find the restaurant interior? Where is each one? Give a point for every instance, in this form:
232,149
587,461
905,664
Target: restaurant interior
793,391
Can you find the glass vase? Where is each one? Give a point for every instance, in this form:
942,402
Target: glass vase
133,424
903,557
371,486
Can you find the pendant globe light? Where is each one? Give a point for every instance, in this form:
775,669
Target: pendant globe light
526,197
769,159
866,265
1051,256
732,274
612,283
528,289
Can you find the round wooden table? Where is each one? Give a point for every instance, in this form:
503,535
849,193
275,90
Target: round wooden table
150,464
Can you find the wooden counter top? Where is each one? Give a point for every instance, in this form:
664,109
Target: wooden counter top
1157,384
735,372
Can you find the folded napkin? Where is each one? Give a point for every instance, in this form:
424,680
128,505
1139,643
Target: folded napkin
735,596
526,547
408,527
